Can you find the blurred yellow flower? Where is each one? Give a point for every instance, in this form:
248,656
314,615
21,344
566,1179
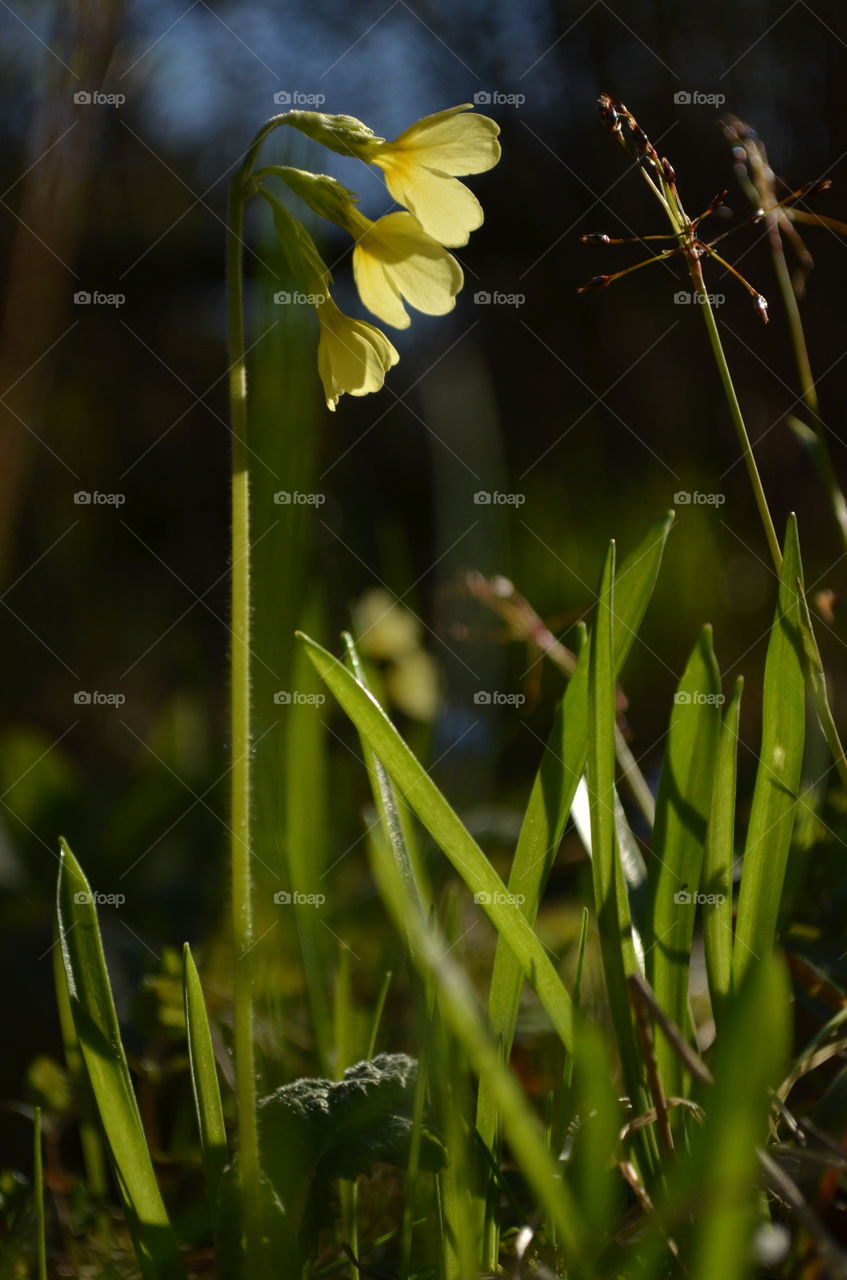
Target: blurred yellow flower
390,634
394,259
422,164
353,356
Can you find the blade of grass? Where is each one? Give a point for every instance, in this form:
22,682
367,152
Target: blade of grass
99,1037
385,797
610,897
461,1013
719,856
775,797
751,1054
555,786
204,1082
305,843
420,792
461,1202
91,1141
682,811
711,1205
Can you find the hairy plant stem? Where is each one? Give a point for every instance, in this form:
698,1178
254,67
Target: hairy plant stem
240,738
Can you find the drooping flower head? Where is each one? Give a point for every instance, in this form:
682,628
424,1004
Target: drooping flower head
394,259
398,259
423,164
353,356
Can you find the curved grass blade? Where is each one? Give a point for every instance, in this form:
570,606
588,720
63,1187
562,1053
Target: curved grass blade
460,1011
719,856
99,1038
776,794
90,1135
419,791
204,1082
682,812
305,845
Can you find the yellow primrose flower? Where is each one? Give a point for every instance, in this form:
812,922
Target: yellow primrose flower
394,259
422,164
353,356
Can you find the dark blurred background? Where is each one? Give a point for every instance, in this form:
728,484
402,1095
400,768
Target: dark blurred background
595,409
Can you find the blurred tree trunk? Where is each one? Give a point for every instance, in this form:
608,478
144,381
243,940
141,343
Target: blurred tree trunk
46,208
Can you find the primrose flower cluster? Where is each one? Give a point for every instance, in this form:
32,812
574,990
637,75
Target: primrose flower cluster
400,259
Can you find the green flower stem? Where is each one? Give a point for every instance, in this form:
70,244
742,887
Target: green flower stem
735,412
242,905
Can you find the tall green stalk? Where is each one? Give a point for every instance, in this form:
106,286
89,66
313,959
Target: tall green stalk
697,280
242,905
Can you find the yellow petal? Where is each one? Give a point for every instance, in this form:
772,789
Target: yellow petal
395,259
446,209
353,356
451,141
377,292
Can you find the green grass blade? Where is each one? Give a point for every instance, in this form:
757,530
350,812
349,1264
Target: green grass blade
461,1014
204,1081
751,1054
305,843
385,797
682,812
777,788
99,1037
719,856
713,1199
90,1136
421,794
610,897
555,785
